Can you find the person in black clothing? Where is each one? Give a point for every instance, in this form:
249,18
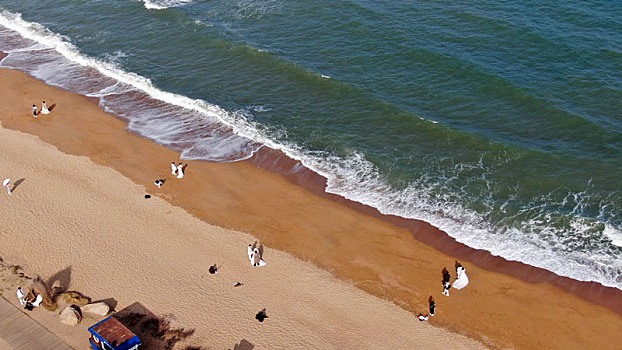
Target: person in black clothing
432,305
213,269
446,284
446,275
261,315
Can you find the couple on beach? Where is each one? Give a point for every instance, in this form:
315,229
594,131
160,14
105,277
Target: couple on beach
461,280
23,300
44,109
177,170
254,255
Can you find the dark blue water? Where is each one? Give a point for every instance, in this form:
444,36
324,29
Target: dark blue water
499,122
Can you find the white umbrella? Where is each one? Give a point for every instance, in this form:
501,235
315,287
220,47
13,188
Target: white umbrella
6,182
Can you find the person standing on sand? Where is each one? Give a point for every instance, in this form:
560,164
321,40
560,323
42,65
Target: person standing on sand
34,110
44,108
255,257
20,295
462,280
173,168
180,171
7,183
432,305
446,284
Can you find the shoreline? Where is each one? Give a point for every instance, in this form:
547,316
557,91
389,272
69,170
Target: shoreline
377,256
277,162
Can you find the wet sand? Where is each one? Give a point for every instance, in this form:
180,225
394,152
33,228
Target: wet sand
379,255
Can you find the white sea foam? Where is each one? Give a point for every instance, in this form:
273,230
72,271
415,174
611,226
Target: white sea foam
614,235
205,131
164,4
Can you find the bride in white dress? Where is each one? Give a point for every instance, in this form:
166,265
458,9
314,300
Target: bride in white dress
44,108
462,280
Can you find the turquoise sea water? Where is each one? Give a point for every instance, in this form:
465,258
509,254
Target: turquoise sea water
499,122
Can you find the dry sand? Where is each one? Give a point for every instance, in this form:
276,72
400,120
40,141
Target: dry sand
94,231
376,256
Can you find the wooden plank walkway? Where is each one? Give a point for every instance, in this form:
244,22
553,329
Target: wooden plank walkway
22,332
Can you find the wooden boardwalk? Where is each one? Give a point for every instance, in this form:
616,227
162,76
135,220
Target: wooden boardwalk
19,331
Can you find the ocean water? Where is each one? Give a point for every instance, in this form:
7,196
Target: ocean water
499,122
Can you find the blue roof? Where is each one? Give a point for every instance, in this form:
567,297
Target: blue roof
114,334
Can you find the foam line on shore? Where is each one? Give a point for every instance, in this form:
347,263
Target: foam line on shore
378,257
293,170
352,177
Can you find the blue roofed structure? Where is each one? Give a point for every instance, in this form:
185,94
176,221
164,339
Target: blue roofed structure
110,334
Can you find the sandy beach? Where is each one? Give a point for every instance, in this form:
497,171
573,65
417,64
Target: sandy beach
85,227
82,212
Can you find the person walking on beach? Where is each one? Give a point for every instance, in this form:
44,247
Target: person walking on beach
432,305
44,108
180,171
446,284
20,295
213,269
7,183
34,110
173,168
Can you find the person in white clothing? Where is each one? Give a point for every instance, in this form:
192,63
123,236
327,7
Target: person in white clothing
462,280
20,295
180,171
255,257
44,108
7,183
173,168
37,301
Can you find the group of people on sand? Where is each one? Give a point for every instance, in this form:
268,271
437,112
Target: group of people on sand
254,255
177,170
28,304
254,252
460,282
44,109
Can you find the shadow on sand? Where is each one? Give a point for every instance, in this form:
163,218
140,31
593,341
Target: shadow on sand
244,345
154,332
17,183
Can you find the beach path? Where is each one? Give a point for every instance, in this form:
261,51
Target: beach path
18,331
